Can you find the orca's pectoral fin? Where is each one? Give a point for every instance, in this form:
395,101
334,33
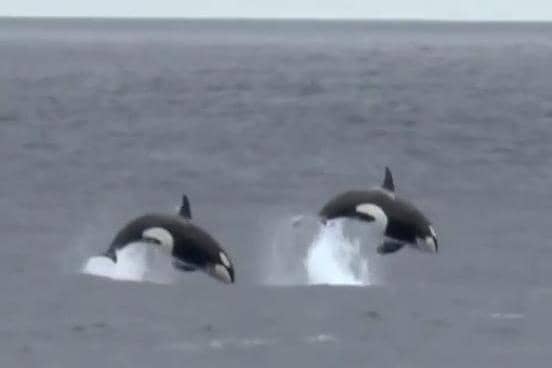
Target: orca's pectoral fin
183,266
389,247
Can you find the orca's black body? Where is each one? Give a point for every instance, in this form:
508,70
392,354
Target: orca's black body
190,246
404,223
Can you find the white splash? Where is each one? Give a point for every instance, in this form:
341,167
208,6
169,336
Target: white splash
303,252
333,259
134,263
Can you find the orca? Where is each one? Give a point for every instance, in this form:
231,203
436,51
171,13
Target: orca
402,223
190,247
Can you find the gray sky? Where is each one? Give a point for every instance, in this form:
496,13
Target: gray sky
419,9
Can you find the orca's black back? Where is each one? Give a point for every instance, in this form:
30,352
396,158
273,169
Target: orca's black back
404,221
191,243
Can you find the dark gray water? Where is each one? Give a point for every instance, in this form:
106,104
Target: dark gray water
259,122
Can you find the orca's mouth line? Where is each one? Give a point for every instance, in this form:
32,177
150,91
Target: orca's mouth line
219,271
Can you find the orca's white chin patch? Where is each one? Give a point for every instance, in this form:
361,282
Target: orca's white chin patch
220,272
427,244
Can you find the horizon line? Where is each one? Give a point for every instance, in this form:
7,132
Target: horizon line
312,19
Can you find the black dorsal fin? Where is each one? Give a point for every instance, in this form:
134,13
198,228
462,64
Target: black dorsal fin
185,210
388,183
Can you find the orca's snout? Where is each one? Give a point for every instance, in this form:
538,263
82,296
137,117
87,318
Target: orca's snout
429,244
433,242
221,272
232,278
222,269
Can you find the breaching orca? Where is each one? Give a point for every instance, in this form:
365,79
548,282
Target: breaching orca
191,247
403,223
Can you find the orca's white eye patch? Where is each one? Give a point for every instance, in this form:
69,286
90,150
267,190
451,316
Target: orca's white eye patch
159,235
224,259
432,231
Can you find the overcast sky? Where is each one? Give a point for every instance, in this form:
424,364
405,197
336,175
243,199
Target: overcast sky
418,9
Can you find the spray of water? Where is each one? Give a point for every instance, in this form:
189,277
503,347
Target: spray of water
135,262
304,252
334,259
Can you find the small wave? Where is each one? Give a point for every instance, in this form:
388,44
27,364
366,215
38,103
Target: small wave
220,344
321,338
507,316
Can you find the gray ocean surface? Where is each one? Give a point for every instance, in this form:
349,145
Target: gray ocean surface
260,122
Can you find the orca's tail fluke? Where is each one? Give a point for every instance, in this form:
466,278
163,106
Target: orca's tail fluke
185,210
110,253
388,183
